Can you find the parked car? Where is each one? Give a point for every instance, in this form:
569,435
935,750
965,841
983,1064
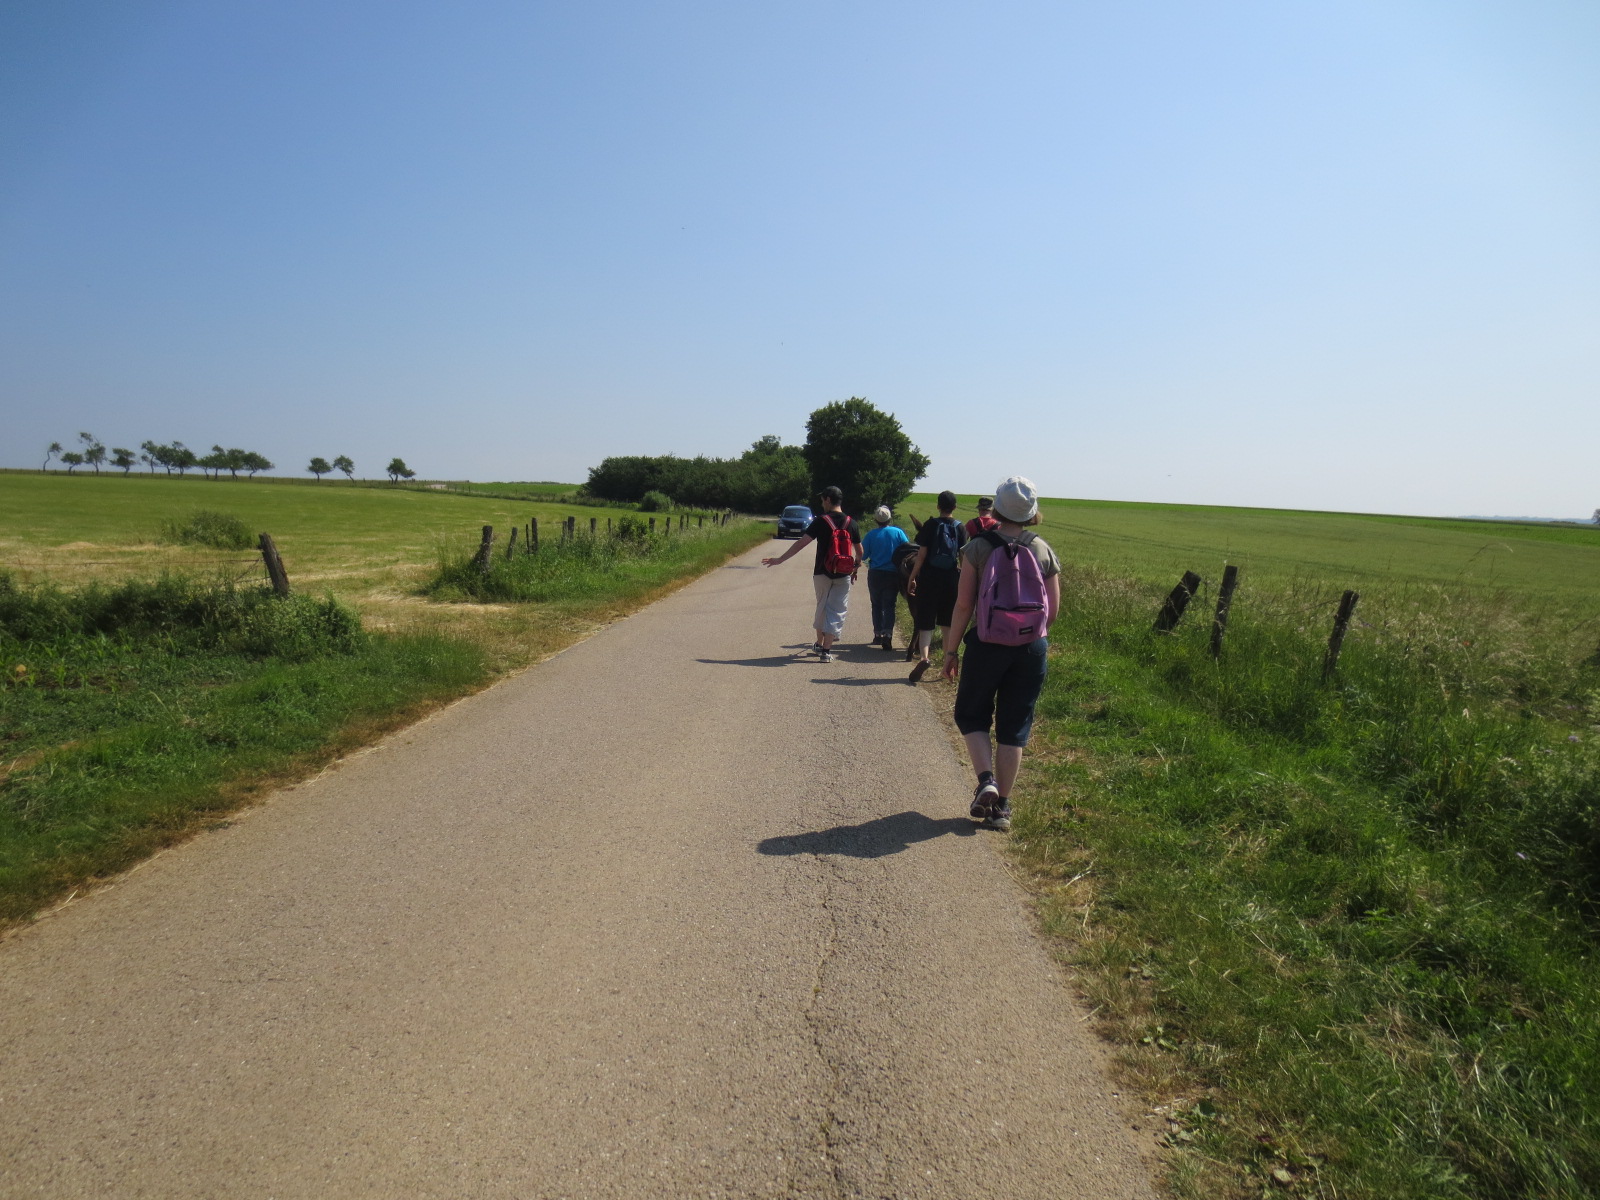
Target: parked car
794,522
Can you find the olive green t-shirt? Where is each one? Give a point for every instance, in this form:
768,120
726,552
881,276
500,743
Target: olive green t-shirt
977,552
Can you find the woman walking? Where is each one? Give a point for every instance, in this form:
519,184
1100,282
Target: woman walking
1016,596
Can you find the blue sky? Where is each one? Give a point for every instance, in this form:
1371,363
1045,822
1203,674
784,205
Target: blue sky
1339,255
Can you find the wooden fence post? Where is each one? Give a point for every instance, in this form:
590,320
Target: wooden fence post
511,543
275,571
1219,624
593,522
608,526
572,528
1172,610
1341,623
700,521
485,548
652,525
533,536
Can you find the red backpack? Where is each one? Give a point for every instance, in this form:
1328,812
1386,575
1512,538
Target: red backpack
1011,605
839,559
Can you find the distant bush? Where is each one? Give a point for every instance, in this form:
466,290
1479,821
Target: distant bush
762,479
220,531
186,613
655,502
632,531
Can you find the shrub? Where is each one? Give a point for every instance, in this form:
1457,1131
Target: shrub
221,531
655,502
186,613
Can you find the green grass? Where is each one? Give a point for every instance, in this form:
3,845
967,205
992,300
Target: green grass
146,687
131,711
1158,542
1346,932
629,562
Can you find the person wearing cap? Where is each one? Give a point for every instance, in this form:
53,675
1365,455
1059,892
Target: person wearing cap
984,519
883,575
999,685
833,591
932,586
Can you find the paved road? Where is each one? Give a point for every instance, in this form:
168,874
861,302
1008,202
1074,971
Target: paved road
674,914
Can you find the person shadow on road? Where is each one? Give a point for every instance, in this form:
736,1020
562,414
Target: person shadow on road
870,839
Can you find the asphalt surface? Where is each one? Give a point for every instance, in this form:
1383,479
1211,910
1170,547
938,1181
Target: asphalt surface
674,914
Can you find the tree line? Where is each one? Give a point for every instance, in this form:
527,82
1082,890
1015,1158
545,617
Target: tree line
176,457
849,443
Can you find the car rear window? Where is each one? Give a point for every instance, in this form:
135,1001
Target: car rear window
797,510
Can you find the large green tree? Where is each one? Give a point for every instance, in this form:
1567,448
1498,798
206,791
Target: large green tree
861,449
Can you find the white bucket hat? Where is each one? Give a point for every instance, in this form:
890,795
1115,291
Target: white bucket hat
883,516
1016,500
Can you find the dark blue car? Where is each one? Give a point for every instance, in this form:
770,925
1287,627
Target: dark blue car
794,522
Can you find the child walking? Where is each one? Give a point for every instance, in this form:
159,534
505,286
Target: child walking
934,574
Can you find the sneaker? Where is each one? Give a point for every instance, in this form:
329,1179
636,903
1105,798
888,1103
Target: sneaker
918,670
983,800
825,655
1000,816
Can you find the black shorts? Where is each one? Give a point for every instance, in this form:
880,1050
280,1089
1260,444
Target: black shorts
935,601
1000,686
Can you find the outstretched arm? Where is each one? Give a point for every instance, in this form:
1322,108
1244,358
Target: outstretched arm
792,551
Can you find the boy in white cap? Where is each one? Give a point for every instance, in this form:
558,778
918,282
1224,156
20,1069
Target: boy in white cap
1000,682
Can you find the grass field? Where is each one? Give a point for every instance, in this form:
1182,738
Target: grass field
1344,932
372,547
1158,542
147,687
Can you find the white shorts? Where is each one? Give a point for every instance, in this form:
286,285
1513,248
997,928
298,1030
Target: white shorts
833,597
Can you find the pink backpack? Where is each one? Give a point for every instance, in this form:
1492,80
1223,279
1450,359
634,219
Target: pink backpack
1011,608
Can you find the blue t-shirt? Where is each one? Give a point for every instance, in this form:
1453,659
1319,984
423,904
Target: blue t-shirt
879,546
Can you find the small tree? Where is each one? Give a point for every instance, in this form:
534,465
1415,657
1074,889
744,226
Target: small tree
862,450
94,452
73,460
55,452
252,462
344,463
213,464
151,455
319,467
123,458
1597,516
398,470
181,457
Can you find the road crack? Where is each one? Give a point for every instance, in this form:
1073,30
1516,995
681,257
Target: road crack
832,877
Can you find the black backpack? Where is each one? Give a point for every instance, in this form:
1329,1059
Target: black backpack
946,544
